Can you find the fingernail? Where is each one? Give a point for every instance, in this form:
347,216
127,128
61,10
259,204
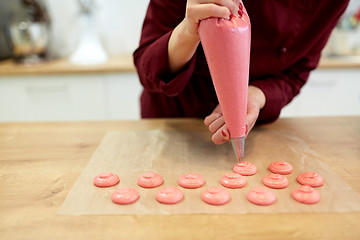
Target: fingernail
241,10
240,7
246,129
223,133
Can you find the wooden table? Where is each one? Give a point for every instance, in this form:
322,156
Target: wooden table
40,162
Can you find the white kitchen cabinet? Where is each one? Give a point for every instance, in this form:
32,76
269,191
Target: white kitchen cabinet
328,92
115,96
51,98
69,97
123,96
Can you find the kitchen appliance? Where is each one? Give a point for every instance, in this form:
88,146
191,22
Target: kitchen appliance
28,29
6,8
90,50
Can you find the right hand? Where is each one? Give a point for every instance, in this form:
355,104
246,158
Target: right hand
197,10
185,37
216,122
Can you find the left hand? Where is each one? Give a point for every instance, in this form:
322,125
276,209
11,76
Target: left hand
216,123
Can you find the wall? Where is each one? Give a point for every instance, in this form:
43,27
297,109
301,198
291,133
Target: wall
116,96
118,25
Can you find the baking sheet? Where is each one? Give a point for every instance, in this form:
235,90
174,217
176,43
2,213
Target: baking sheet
172,153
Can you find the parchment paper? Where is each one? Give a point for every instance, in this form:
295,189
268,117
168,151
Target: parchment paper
172,153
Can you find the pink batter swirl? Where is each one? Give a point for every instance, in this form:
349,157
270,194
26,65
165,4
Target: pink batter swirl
245,168
233,180
306,194
276,181
169,195
125,195
215,196
106,179
191,180
261,196
150,180
311,179
281,167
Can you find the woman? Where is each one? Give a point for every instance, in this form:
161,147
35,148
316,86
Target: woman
287,39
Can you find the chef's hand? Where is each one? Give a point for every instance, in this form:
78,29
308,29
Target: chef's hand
197,10
215,121
185,37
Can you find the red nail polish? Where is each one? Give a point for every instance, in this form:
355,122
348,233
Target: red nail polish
241,10
246,129
223,133
241,7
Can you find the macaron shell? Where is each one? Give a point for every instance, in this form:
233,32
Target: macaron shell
216,196
311,179
261,196
233,180
106,179
281,167
125,195
276,181
150,180
306,194
169,195
245,168
191,180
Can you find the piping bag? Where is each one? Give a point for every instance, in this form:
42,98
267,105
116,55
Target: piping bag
226,45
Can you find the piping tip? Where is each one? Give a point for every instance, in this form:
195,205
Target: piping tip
238,145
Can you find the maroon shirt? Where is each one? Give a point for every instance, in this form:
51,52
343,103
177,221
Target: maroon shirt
287,39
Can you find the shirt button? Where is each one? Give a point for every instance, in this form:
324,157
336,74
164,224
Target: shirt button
283,50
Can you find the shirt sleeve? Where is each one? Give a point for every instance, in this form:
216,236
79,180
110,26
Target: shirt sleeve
281,89
151,57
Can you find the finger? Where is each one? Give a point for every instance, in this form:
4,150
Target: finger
213,116
252,116
217,124
204,11
232,5
218,137
226,134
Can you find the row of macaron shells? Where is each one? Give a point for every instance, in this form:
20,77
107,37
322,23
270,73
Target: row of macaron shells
304,194
216,195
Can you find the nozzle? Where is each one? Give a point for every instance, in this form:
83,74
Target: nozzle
238,145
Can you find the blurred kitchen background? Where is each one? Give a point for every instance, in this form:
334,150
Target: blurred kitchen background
71,60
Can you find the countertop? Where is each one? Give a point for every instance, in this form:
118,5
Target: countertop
40,162
123,64
120,64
